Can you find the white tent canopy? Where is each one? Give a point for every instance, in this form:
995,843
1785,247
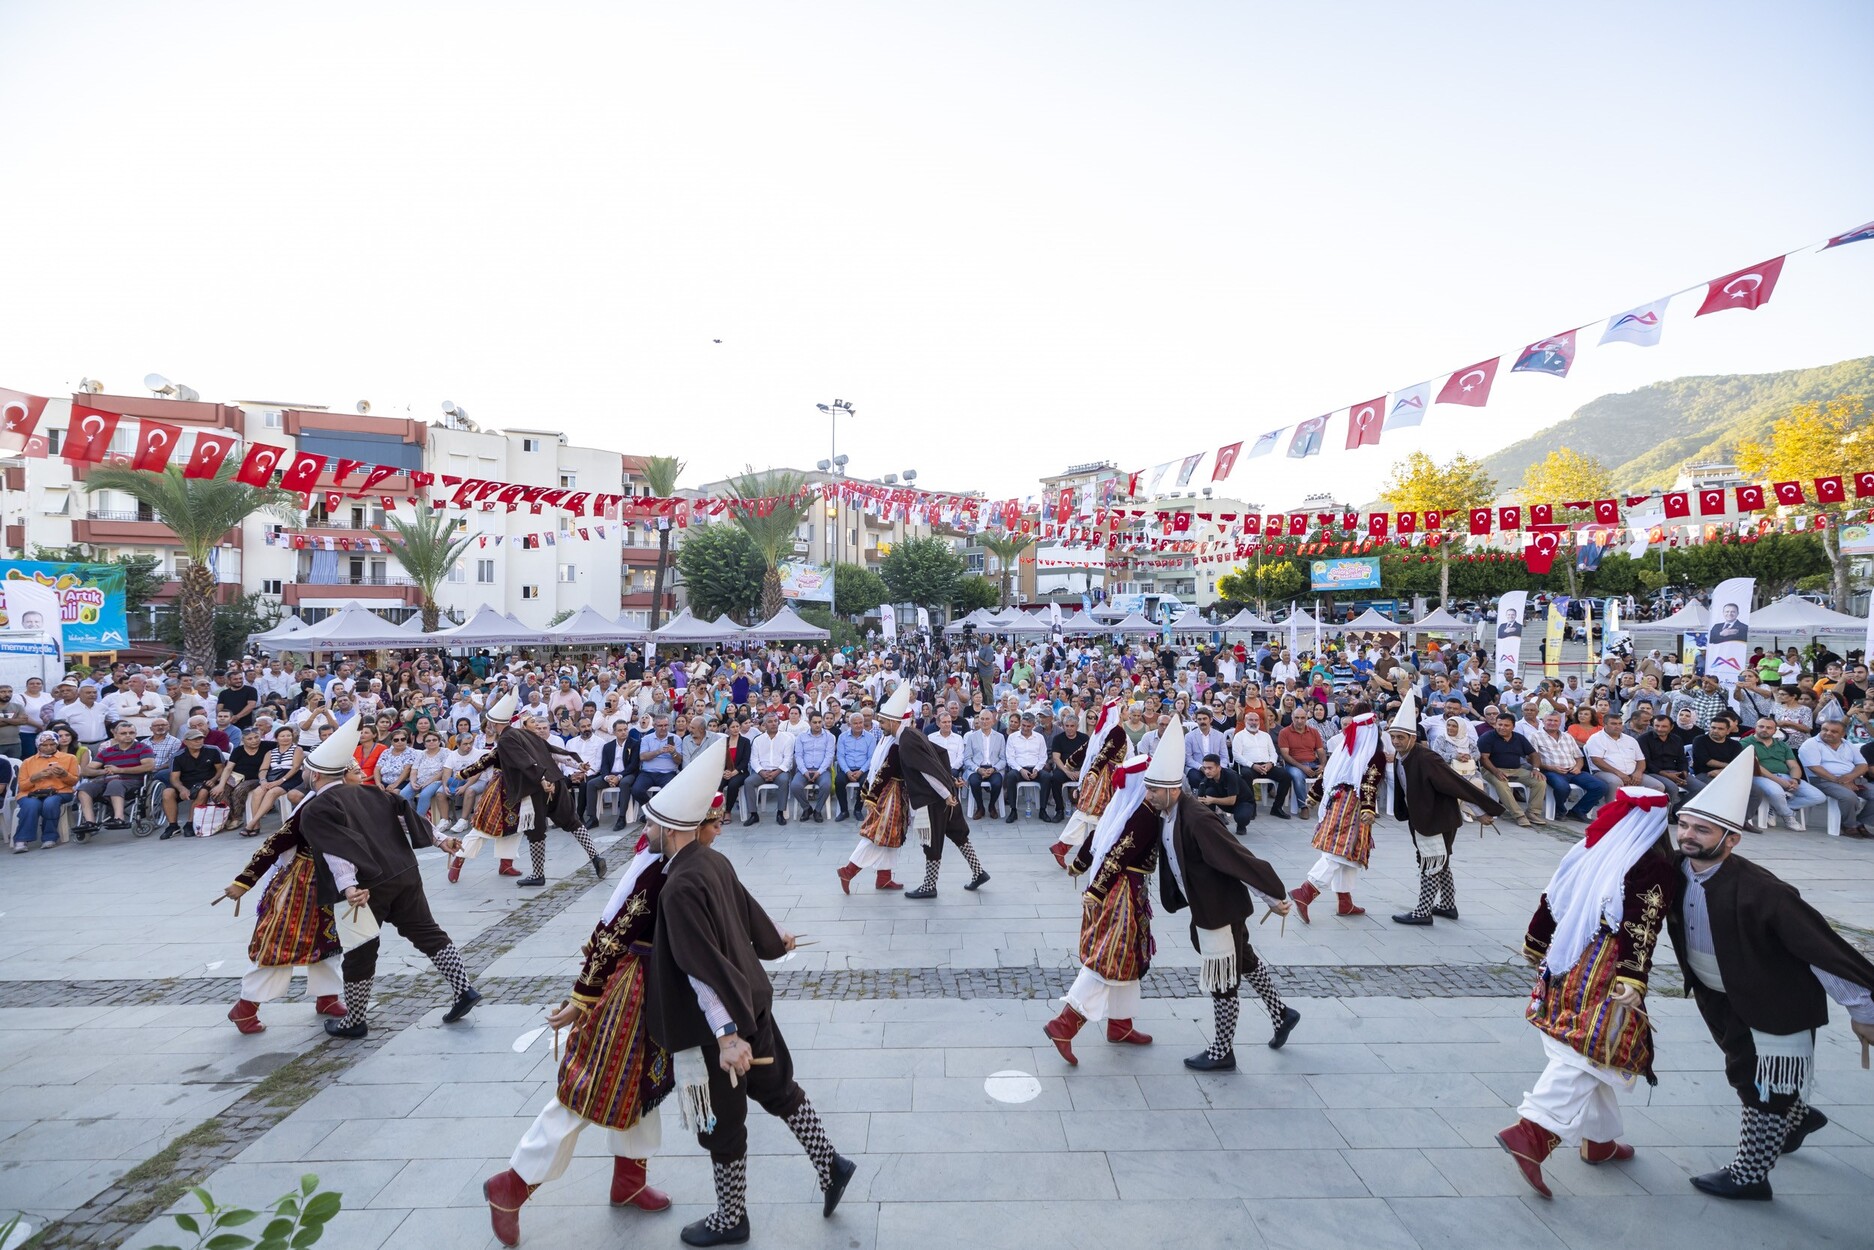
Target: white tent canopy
587,627
1081,623
788,626
685,628
277,638
1794,615
1368,622
1693,618
1300,617
412,624
487,628
1439,621
353,627
1191,621
1134,624
1244,621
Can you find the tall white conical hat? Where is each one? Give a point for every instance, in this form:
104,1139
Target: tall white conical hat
1726,800
1407,721
894,707
687,798
1167,766
503,710
337,753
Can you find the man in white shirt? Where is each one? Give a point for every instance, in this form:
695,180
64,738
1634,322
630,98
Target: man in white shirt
1839,771
1252,750
85,715
771,760
588,746
1285,670
1025,754
276,681
984,754
136,703
1616,755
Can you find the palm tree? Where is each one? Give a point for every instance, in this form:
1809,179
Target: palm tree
428,547
661,474
1007,549
773,533
200,510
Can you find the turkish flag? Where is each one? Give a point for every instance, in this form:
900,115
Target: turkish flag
1408,522
1252,524
1539,554
1634,501
1180,522
206,457
1510,518
1606,512
19,418
1470,387
420,479
390,505
381,471
1863,485
1274,525
1749,498
1297,524
1789,494
1064,507
155,443
1132,484
343,469
258,465
90,435
1747,288
333,501
1711,501
303,474
1364,422
1541,514
1480,521
1433,519
1829,490
1376,523
1678,503
1226,460
1350,520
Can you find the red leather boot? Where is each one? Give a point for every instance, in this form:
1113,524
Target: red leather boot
1605,1152
1529,1144
505,1194
507,869
1302,896
1061,1030
885,882
246,1016
630,1189
330,1005
847,872
455,869
1059,851
1121,1031
1346,906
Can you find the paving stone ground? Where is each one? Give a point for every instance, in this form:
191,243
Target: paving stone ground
1372,1128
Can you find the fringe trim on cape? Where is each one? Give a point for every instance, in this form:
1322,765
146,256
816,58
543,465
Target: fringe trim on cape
1218,947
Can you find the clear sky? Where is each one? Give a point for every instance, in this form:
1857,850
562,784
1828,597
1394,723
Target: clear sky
1017,236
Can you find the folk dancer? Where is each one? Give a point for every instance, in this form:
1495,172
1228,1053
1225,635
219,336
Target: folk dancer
292,929
529,789
613,1074
1592,940
1761,964
710,1008
1428,797
1212,873
1347,796
365,843
1116,944
928,786
1105,752
885,801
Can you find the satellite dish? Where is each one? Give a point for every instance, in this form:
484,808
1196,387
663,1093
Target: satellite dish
158,383
90,386
363,406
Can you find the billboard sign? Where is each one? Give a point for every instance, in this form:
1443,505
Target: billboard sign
1349,573
90,599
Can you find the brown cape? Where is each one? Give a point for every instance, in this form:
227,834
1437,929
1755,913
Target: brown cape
378,833
711,928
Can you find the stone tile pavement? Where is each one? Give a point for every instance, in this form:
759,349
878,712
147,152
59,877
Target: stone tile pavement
1375,1124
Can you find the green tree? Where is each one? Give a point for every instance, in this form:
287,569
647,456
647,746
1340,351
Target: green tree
771,508
1007,548
233,623
923,571
1564,476
1420,484
661,474
856,590
199,511
976,592
722,571
1271,581
1816,440
427,546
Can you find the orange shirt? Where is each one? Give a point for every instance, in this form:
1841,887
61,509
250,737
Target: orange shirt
34,770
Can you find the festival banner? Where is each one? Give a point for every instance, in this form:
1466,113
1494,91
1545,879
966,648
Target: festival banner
1552,639
1727,644
90,601
1639,326
1408,406
805,582
1509,653
1355,573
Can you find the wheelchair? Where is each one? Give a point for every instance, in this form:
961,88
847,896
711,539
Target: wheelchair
145,807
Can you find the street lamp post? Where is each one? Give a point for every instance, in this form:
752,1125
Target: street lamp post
835,463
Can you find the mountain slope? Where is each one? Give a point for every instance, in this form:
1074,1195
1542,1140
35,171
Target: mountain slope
1644,436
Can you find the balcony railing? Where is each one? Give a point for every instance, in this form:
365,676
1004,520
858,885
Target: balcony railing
360,579
94,514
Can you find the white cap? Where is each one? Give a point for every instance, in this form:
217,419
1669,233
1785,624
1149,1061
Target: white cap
337,753
1167,766
1726,800
1407,721
894,707
687,798
503,710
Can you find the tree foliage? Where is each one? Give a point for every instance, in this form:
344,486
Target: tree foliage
722,571
1566,474
923,571
427,545
233,622
660,475
976,592
1007,548
856,590
775,507
1259,585
1827,439
1420,484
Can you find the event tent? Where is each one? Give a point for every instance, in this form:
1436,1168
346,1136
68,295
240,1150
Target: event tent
1369,621
353,627
487,628
276,639
1299,618
1245,621
1081,623
1191,621
787,626
1795,616
587,627
1134,624
1693,618
685,628
1439,621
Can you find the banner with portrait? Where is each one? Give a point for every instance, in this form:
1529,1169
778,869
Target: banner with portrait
1727,642
1511,609
1552,637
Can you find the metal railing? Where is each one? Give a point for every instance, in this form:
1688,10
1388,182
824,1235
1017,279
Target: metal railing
360,579
94,514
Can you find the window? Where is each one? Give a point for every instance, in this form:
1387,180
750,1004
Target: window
530,444
58,500
52,441
485,572
530,592
569,573
270,586
272,418
569,481
458,572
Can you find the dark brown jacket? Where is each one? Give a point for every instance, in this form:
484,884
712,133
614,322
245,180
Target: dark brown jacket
1218,870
